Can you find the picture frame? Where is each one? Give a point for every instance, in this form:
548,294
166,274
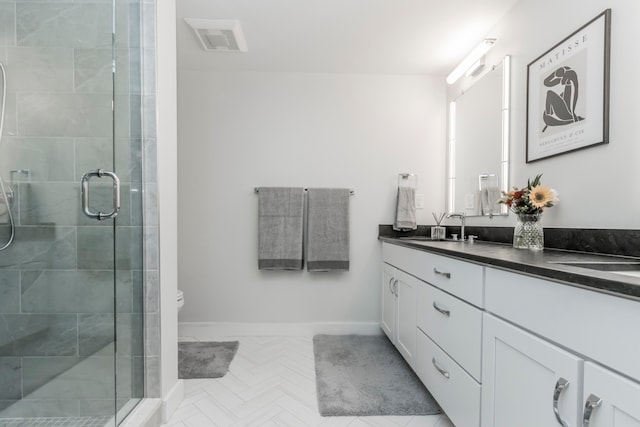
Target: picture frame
568,93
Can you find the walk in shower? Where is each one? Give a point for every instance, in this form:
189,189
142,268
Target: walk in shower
75,215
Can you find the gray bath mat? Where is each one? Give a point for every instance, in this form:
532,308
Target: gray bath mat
361,375
205,359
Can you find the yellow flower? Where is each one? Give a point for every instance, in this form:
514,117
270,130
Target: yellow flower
542,196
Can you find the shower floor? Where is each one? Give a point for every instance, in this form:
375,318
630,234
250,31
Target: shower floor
56,422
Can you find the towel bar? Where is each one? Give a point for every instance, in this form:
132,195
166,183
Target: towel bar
351,190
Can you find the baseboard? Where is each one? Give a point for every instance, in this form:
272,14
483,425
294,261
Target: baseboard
173,399
228,329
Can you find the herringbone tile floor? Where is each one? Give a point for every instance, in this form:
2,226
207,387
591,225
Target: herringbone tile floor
271,383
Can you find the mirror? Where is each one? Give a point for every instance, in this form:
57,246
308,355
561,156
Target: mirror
478,145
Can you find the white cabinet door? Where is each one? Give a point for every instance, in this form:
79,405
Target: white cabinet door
522,376
614,401
389,302
406,290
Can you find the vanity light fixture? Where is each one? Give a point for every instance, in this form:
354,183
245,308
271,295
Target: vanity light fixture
471,60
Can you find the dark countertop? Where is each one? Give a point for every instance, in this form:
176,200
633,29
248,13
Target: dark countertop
543,264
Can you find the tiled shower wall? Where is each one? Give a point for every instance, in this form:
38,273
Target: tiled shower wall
150,200
56,282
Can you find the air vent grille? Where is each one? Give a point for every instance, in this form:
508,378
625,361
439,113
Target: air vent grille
217,35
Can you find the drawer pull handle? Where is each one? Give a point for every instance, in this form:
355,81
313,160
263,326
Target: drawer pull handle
439,369
592,402
441,310
389,286
561,384
395,287
441,273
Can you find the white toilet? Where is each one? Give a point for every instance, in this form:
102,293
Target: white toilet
180,300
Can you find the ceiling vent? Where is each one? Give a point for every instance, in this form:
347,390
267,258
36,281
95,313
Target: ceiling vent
217,35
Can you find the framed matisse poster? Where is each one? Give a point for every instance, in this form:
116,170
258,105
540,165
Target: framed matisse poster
568,92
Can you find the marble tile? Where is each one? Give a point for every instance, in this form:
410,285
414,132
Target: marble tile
129,331
64,115
138,376
152,334
38,371
128,159
50,204
150,156
40,69
10,116
39,248
124,372
93,70
138,291
32,408
151,255
92,244
83,291
129,253
47,159
93,256
152,292
47,203
96,334
11,374
127,111
152,378
92,154
149,116
7,24
66,378
9,291
64,24
38,335
96,407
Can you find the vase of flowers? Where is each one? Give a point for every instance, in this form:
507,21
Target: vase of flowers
528,203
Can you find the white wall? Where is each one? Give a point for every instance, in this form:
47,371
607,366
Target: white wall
597,185
245,130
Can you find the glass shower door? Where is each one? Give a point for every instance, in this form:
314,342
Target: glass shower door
71,286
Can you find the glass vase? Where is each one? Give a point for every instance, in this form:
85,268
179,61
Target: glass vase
528,232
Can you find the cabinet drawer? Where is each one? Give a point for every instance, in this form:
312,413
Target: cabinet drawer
602,327
460,278
456,392
453,324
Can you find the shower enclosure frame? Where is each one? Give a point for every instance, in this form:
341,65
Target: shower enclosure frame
47,205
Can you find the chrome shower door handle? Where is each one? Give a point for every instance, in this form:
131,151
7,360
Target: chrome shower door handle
100,173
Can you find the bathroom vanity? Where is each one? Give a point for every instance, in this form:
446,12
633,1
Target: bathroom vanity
504,337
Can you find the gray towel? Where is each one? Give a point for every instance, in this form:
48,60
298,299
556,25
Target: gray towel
328,229
405,209
280,228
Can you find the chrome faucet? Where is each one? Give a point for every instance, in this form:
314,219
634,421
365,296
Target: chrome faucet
462,217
